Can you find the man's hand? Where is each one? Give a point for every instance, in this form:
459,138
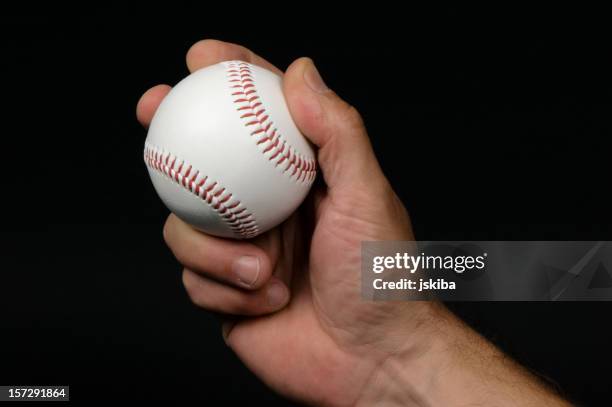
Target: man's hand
305,330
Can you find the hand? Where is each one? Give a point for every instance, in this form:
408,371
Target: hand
305,329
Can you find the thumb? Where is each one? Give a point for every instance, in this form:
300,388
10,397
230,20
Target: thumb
345,154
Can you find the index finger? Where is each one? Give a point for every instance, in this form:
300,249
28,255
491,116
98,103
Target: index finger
209,52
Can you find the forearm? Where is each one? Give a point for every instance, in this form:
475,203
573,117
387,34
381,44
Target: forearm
454,366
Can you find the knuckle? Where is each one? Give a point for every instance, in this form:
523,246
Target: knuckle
187,280
194,291
183,257
195,47
166,229
351,116
199,300
203,297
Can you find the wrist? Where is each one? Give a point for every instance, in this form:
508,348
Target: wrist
407,375
449,364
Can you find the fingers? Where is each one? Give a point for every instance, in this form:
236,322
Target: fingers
209,52
221,275
149,102
215,296
201,54
238,263
345,154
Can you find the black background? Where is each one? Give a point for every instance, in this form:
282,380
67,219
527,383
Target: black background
491,124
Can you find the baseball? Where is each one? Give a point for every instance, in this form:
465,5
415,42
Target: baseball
224,154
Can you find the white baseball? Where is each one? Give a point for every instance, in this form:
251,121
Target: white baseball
224,154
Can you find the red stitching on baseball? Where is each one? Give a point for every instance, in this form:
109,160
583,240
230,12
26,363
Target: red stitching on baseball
238,219
254,115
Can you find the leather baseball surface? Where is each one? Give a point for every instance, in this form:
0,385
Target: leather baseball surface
224,153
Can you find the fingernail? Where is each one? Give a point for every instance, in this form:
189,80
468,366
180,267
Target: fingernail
313,79
246,268
277,295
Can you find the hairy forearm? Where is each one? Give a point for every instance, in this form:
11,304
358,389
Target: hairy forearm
454,366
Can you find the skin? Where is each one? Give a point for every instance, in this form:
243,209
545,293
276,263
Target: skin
302,326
